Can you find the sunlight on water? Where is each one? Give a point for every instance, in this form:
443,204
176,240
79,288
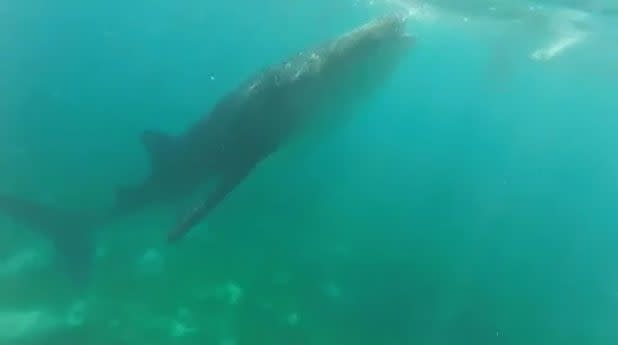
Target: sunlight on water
470,198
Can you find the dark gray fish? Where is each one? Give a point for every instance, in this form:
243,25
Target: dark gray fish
311,89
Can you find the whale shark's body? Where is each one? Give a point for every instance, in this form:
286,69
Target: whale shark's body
257,118
245,127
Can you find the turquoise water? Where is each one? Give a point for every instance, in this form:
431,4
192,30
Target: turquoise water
472,201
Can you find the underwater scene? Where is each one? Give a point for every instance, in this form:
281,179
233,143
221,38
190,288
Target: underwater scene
309,172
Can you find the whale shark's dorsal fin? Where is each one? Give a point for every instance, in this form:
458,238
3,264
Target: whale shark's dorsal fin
160,148
162,151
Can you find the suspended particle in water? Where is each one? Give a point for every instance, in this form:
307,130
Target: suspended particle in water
292,319
151,262
179,329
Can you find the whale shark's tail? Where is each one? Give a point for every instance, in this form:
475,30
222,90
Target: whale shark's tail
72,233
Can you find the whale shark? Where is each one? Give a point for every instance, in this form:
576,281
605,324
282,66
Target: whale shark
311,89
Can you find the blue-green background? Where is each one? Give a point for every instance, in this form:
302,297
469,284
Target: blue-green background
473,201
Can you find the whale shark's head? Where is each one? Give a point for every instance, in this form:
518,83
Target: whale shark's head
358,62
327,81
382,40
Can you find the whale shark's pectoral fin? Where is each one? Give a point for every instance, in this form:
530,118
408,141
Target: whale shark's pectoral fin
226,184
